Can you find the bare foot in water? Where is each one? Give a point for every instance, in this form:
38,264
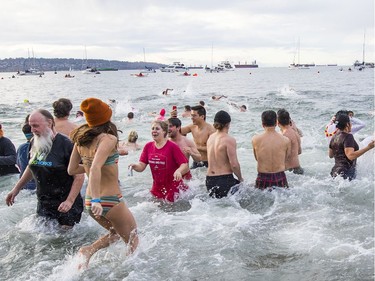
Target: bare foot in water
85,255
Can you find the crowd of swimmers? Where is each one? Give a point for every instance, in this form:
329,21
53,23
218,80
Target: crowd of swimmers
59,154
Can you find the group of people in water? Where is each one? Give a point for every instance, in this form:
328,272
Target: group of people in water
60,154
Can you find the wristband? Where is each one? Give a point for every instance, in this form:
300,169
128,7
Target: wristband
96,200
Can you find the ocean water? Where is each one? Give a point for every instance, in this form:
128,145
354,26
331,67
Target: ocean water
319,229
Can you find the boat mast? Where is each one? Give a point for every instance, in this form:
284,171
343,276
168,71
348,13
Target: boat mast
298,46
212,54
363,54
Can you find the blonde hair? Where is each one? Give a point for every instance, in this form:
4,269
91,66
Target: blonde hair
132,137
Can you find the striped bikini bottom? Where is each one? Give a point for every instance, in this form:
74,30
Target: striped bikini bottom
107,202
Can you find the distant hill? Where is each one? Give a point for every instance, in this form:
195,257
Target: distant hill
19,64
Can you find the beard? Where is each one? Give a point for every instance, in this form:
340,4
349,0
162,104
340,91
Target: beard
41,145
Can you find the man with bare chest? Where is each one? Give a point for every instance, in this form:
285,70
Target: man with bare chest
201,130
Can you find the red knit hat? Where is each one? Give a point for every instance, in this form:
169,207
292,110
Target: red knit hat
96,111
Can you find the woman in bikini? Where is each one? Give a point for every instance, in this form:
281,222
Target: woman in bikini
95,153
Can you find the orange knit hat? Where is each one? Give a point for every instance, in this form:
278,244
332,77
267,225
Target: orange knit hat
96,111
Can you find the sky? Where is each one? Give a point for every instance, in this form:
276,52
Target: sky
192,32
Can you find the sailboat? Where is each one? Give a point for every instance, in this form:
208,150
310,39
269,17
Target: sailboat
298,65
362,65
30,67
89,69
147,68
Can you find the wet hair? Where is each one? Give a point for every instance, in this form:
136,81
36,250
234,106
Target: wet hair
269,118
202,103
133,136
84,135
187,107
342,121
200,110
244,106
26,129
163,125
130,115
340,112
174,121
62,107
283,117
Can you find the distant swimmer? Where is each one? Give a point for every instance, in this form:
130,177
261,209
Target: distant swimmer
241,108
271,150
216,98
187,111
165,92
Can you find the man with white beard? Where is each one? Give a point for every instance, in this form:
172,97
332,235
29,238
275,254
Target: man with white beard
58,193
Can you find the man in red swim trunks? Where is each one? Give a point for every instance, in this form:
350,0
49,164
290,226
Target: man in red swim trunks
271,150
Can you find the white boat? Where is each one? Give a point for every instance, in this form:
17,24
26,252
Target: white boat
221,67
30,71
175,67
299,65
30,67
90,70
362,65
225,66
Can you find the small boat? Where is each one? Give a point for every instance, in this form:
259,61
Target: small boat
30,67
175,67
362,65
185,74
107,69
90,70
195,67
224,66
246,65
149,70
30,71
140,74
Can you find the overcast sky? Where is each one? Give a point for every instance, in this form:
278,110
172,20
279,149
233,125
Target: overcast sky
193,32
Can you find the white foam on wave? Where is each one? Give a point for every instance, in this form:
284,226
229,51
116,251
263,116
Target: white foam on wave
287,90
365,163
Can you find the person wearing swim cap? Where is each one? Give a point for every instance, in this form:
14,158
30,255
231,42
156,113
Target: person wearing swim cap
222,158
271,150
345,150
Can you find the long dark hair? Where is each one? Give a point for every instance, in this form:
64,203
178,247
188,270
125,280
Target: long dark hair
84,135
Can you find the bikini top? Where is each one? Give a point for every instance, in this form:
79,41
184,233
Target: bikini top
112,159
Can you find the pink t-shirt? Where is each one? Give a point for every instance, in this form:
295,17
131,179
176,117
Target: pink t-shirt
163,163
